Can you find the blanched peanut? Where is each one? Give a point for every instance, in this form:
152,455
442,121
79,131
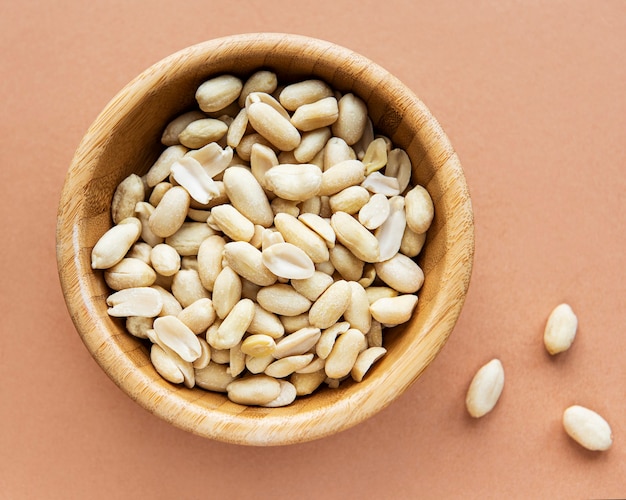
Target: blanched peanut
375,211
187,288
331,305
138,326
261,81
187,240
234,326
485,389
143,302
358,311
316,115
205,357
189,173
375,156
165,259
346,263
247,143
262,158
275,127
292,324
258,345
247,195
298,342
399,166
351,119
288,261
253,390
161,168
201,132
143,211
307,383
365,360
286,397
129,273
247,262
587,428
283,299
265,323
319,225
394,310
171,306
165,365
233,223
158,192
213,377
170,213
340,176
378,183
174,334
141,251
349,200
313,286
412,243
198,316
378,292
400,273
344,354
217,93
560,329
306,92
236,361
298,234
226,291
176,126
390,233
114,244
355,237
337,151
311,144
258,364
128,193
284,367
419,209
213,159
295,182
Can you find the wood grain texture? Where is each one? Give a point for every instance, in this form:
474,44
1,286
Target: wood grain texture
125,138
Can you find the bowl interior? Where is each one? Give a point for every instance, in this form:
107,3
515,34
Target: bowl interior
125,138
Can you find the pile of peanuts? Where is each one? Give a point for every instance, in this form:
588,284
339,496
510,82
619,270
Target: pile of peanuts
271,243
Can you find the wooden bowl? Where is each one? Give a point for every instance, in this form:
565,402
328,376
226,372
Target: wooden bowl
125,138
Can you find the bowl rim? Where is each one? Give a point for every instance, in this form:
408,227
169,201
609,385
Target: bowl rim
172,404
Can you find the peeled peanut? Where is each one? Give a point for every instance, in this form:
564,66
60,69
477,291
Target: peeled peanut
128,193
560,329
331,305
485,389
114,244
247,195
351,120
217,93
170,213
419,209
587,428
253,390
344,354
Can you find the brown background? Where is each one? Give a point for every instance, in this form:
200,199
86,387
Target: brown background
533,97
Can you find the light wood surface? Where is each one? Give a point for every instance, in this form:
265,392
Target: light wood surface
125,138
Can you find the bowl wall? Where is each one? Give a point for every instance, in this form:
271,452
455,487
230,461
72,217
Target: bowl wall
125,138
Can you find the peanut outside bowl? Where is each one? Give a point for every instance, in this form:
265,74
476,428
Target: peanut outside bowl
125,138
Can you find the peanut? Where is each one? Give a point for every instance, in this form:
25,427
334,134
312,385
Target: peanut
587,428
